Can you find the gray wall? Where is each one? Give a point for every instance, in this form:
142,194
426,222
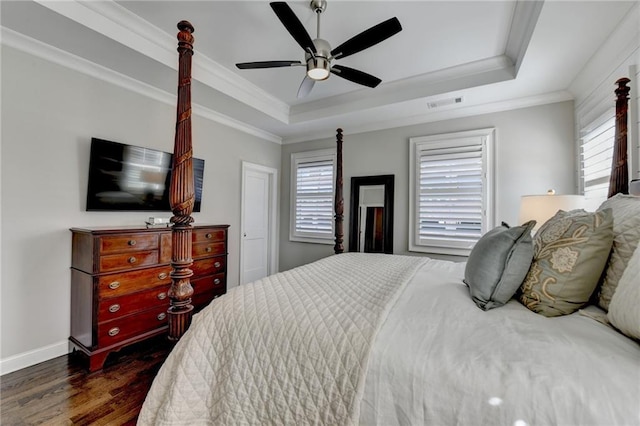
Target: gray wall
534,152
49,114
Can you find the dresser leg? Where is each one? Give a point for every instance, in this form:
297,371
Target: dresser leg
96,361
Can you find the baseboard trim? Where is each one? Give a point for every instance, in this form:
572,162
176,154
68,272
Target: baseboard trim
33,357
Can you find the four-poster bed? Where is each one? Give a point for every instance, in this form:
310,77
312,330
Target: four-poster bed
388,339
182,195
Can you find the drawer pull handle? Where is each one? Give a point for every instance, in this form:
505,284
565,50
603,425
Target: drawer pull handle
162,296
209,235
162,275
208,249
132,242
114,285
217,264
161,316
132,259
114,331
114,308
216,281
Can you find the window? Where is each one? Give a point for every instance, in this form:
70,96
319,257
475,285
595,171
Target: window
596,154
312,196
451,178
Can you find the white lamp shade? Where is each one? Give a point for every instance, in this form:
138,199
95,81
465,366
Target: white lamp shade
542,207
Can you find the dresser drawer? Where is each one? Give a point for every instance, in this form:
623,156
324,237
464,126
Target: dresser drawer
209,266
113,285
109,309
209,285
207,249
128,242
111,332
208,235
119,262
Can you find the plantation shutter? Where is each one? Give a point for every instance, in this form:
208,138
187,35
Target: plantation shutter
312,212
596,154
451,193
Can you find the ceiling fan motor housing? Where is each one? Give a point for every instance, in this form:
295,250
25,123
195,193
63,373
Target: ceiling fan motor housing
321,59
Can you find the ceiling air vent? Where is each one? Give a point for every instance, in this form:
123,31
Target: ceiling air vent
444,102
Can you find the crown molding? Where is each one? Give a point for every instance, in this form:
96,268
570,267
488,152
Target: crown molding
57,56
523,23
472,74
449,114
119,24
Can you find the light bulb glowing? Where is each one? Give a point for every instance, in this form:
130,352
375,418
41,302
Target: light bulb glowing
318,73
318,68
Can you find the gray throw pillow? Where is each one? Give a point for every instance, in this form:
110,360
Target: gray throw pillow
498,264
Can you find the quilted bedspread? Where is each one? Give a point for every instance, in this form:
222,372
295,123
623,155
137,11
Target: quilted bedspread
291,348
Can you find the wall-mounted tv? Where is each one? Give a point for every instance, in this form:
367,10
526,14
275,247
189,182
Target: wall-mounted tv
131,178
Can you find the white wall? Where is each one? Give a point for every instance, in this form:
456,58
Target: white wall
49,114
534,152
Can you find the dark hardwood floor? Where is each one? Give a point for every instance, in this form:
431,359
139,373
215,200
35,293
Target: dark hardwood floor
62,392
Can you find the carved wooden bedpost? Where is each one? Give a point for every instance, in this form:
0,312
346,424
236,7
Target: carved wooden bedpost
619,180
339,201
182,194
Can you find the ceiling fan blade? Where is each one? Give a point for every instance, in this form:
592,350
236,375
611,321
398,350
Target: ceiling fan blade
305,87
356,76
368,38
293,25
267,64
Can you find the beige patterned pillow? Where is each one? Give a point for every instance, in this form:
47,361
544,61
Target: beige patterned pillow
569,254
624,309
626,234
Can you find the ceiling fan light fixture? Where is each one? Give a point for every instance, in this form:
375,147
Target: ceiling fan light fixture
318,68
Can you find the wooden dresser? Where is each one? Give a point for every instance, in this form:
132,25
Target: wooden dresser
120,278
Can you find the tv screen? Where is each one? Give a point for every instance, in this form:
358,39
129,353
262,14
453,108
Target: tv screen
131,178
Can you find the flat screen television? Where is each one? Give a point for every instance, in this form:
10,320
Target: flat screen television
131,178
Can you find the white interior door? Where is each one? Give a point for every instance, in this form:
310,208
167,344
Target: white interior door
257,239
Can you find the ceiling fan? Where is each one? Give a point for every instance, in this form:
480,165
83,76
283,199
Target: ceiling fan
319,56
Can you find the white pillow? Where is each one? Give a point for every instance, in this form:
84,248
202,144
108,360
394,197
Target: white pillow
624,309
626,236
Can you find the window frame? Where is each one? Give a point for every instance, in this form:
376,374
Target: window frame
298,158
485,138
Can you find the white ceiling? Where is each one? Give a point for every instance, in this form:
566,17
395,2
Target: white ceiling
492,54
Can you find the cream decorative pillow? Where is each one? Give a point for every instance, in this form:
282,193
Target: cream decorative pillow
570,252
624,309
626,234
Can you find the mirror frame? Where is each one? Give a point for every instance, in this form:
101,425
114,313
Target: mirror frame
356,183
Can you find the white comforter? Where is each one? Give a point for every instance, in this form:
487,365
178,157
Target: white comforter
432,357
289,349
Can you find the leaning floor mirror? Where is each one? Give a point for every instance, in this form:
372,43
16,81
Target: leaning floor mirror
371,214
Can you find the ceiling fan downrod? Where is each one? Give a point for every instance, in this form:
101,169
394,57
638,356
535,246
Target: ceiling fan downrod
318,6
318,62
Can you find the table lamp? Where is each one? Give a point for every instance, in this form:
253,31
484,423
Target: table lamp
542,207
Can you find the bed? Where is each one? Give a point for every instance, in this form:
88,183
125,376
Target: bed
361,338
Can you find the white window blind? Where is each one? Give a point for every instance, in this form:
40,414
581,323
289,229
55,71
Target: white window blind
451,191
596,154
312,198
